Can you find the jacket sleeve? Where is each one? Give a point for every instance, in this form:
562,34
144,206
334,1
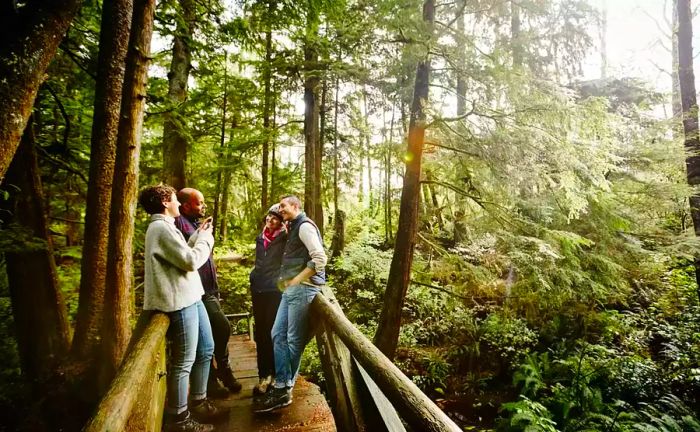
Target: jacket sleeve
308,234
174,249
193,238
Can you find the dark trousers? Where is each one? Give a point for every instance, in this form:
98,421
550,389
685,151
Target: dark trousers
220,329
264,311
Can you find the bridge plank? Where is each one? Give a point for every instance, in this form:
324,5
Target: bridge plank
308,412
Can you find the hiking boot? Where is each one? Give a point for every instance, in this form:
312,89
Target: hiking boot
186,425
216,390
263,385
205,411
274,399
226,376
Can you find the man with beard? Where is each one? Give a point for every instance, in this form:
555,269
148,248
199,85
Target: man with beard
192,210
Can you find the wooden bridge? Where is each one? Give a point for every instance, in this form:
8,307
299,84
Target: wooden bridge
365,390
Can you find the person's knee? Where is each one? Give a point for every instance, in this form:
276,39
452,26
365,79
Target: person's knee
220,324
183,364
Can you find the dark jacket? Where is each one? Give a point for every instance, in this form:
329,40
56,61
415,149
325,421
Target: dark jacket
296,256
264,276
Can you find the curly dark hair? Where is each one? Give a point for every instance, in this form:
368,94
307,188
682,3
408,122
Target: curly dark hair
151,197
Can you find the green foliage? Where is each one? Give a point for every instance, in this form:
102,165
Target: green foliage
527,416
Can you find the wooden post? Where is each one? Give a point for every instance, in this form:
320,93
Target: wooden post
117,405
341,384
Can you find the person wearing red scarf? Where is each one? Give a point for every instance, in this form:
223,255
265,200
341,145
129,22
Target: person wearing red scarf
266,297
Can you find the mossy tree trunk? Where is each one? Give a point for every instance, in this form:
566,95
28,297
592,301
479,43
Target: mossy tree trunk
116,328
114,40
29,37
387,335
40,315
174,135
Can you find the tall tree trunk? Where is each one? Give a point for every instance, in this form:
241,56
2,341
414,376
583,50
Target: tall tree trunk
689,103
433,196
515,34
338,241
604,40
318,157
388,229
676,108
225,193
174,136
387,335
335,144
461,81
226,181
29,38
114,40
267,105
41,319
273,165
368,144
116,327
312,161
222,144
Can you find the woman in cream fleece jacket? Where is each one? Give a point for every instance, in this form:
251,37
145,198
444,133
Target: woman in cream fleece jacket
172,285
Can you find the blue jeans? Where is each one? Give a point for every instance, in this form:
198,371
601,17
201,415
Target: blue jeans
290,332
192,347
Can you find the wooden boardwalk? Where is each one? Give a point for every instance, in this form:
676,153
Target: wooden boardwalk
308,412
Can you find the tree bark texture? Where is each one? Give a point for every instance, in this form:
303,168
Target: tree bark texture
114,41
174,134
312,158
437,211
338,242
116,327
41,321
689,104
387,335
29,39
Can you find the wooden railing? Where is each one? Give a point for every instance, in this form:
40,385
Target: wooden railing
136,397
367,391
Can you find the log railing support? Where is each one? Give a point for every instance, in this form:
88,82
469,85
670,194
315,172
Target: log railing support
135,399
414,407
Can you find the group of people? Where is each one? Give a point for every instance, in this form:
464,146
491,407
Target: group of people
180,280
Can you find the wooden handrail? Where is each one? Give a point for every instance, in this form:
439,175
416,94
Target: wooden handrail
117,404
419,412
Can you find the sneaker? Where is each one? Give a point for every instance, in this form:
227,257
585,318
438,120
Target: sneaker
274,399
263,385
230,381
187,425
205,411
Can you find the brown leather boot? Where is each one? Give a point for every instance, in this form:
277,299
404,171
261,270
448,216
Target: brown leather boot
226,376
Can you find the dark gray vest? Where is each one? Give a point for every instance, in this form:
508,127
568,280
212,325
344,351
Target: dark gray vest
296,256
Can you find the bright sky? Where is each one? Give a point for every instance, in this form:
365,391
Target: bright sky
636,41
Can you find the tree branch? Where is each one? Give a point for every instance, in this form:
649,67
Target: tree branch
78,61
66,130
61,164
